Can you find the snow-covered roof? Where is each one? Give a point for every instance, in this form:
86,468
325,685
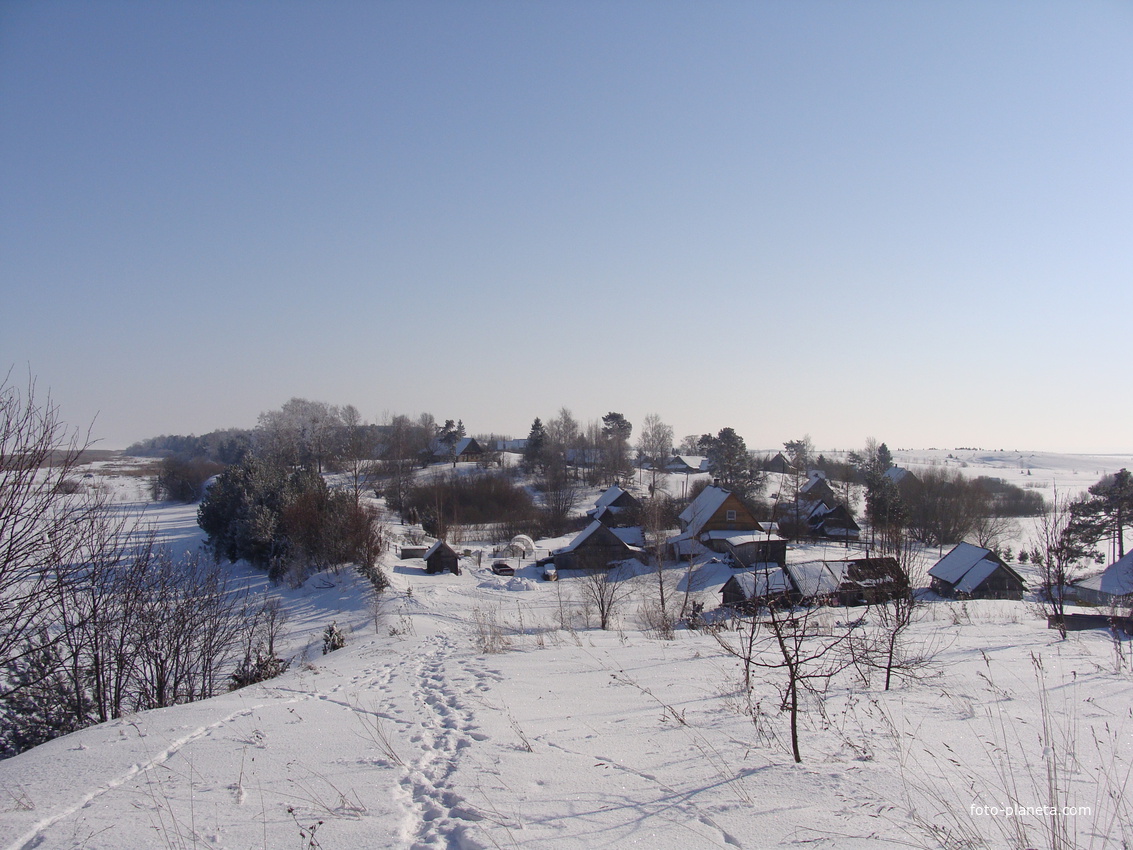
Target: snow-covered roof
813,578
760,583
703,507
953,566
815,479
691,463
896,474
1116,579
434,548
441,449
631,536
582,537
611,495
976,576
738,538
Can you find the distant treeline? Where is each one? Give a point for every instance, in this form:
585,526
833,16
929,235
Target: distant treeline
227,446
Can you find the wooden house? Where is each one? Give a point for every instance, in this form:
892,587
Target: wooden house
972,572
904,480
714,510
816,489
687,464
466,449
833,522
779,464
616,508
441,558
595,547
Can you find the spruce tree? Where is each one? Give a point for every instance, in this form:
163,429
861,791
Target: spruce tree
535,451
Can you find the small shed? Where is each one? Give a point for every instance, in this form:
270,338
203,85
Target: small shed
441,558
972,572
752,548
749,590
408,552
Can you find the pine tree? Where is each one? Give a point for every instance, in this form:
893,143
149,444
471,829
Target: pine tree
43,703
732,463
1106,512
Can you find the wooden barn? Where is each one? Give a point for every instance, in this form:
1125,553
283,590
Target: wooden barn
972,572
1113,586
441,558
778,464
751,548
595,547
869,581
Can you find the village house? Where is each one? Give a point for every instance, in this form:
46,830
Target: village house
616,508
686,464
595,547
717,521
466,449
833,522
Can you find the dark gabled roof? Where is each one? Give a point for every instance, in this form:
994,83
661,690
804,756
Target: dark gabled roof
439,547
595,530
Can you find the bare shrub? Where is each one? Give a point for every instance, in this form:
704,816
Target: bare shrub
488,633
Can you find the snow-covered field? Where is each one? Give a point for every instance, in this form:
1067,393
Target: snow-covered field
473,712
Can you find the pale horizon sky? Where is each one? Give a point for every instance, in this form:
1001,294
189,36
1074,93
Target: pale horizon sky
905,220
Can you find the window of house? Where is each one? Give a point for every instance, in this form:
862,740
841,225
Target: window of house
731,516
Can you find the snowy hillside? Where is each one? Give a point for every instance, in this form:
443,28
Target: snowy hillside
476,711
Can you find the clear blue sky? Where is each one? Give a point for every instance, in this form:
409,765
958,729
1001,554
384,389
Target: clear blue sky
907,220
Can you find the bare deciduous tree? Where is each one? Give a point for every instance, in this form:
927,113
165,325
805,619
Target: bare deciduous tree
1056,557
40,521
607,590
654,447
802,644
